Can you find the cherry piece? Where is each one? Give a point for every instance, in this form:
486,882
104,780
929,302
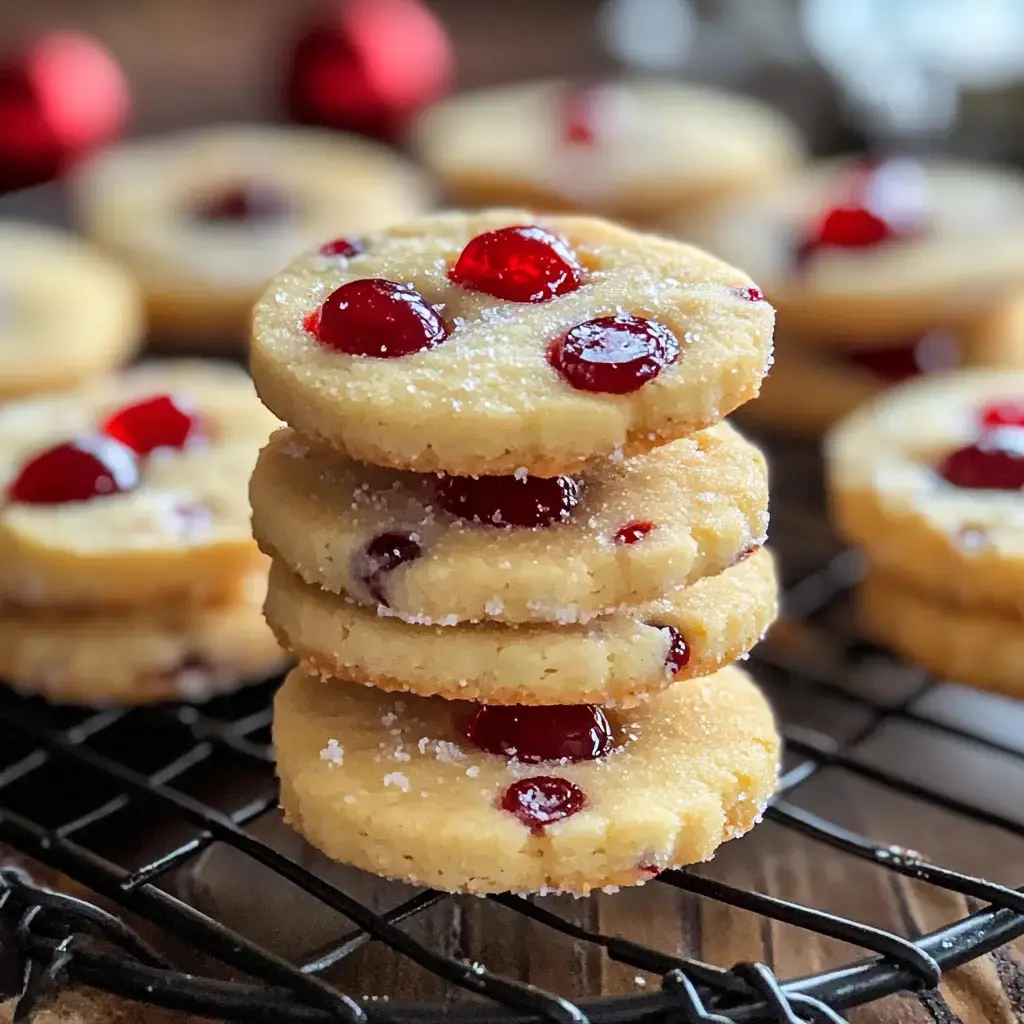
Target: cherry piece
632,532
381,557
934,351
158,422
745,554
649,869
518,264
562,732
542,800
994,463
614,354
678,655
749,294
579,114
510,500
374,317
311,323
1008,413
91,467
342,247
250,201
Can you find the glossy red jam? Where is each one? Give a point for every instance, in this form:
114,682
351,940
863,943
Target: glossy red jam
251,201
377,318
519,264
342,247
678,655
1008,413
543,800
510,500
633,532
563,732
92,467
931,353
381,557
614,355
157,422
995,462
749,294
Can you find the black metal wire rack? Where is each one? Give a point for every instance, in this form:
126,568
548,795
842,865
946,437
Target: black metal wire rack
70,778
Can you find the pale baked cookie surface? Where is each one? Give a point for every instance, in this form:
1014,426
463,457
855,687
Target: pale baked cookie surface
628,149
390,784
181,532
335,522
203,218
486,398
888,493
66,311
617,660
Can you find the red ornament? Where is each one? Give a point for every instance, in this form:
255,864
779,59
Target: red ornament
509,500
76,471
158,422
369,67
60,98
561,732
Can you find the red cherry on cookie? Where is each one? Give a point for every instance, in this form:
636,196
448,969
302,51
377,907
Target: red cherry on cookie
378,318
563,732
518,264
678,655
342,247
510,500
158,422
542,800
381,557
633,532
1008,413
614,354
994,463
92,467
251,201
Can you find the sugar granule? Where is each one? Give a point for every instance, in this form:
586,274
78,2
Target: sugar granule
334,752
398,780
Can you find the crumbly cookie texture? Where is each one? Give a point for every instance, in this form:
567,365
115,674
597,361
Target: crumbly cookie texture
486,400
964,545
66,311
707,496
136,201
182,533
980,647
142,655
617,660
970,252
655,145
390,785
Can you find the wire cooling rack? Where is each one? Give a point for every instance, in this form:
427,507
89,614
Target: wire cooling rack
74,783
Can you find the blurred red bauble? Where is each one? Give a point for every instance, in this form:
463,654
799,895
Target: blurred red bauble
368,67
60,97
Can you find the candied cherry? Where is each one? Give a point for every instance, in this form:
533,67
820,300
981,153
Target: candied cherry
542,800
519,264
342,247
678,655
374,317
91,467
381,557
510,500
157,422
249,201
1008,413
633,532
614,354
995,462
562,732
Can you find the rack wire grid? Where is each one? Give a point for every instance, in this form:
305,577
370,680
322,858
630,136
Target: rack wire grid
69,776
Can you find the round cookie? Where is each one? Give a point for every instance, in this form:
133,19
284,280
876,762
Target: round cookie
486,399
960,247
614,661
337,523
629,149
141,655
963,544
66,312
979,647
182,533
203,218
392,786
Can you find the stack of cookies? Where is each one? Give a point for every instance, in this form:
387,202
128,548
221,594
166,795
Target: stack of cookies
515,550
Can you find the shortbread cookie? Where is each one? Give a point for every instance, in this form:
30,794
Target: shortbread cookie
980,647
205,217
629,149
611,661
860,254
491,342
394,786
928,480
620,536
130,490
141,655
66,312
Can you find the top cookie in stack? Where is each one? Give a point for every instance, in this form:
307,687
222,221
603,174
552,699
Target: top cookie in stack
442,380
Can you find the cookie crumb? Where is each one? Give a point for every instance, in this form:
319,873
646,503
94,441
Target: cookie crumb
334,753
399,780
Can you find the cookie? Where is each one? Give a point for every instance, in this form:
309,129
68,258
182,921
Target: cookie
610,661
979,647
141,655
928,480
66,312
393,786
630,149
865,254
203,218
623,534
489,343
130,490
